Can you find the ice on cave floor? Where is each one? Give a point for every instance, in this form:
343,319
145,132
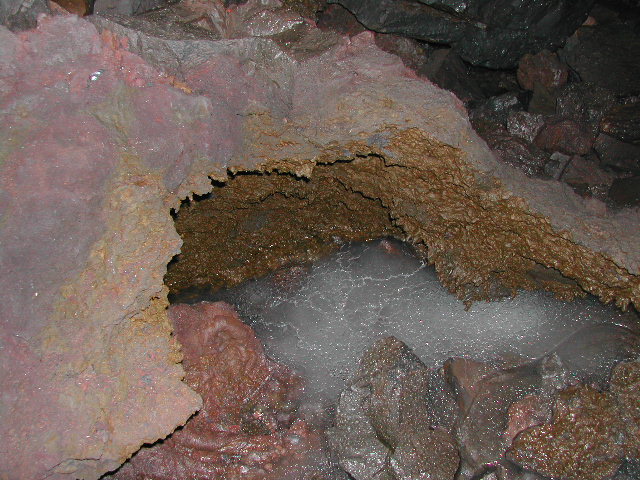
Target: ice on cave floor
320,318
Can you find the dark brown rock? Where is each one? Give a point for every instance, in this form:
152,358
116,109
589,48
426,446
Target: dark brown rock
446,69
339,19
625,192
543,101
564,136
623,123
582,416
619,155
586,176
413,53
544,68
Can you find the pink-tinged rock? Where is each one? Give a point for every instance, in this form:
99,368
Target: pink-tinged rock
247,425
93,138
544,68
98,145
564,136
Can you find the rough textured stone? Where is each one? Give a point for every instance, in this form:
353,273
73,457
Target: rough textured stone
517,152
625,192
623,123
524,124
616,154
492,34
586,177
382,426
126,7
564,136
486,396
606,55
87,198
544,68
625,384
446,69
582,416
585,103
247,426
413,53
21,14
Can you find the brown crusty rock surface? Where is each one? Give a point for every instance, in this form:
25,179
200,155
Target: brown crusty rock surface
98,144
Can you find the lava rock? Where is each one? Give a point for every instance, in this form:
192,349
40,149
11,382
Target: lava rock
606,55
485,397
556,165
544,68
446,69
565,136
625,385
247,423
524,125
127,7
616,154
517,152
21,14
413,53
382,425
582,416
586,177
543,101
623,123
339,19
585,103
495,111
493,34
625,192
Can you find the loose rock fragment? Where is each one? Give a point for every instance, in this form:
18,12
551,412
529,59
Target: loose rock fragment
382,427
584,442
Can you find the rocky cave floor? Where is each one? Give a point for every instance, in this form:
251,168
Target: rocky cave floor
570,113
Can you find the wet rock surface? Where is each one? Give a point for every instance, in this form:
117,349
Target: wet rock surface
148,109
492,34
382,429
247,426
582,416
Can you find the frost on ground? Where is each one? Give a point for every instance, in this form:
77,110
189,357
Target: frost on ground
320,319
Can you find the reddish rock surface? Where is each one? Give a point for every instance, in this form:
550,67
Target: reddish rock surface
247,425
98,145
544,68
564,136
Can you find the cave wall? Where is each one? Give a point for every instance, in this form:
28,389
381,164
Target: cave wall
98,145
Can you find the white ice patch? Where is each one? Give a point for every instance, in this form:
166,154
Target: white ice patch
322,322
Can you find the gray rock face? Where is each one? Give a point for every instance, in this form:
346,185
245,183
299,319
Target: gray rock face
383,422
493,33
21,14
127,7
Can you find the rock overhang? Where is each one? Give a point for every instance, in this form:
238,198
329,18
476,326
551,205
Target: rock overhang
99,144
